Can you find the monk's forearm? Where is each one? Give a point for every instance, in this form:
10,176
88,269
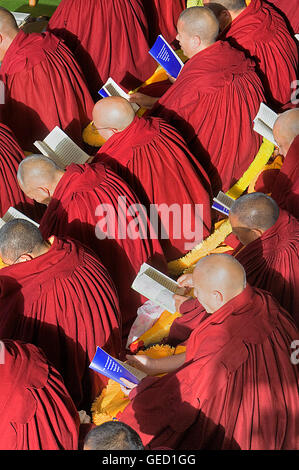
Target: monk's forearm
168,364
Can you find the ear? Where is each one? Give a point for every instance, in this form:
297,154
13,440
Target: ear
257,233
218,297
196,42
44,190
24,258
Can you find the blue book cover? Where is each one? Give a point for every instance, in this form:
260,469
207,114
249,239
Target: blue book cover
106,365
103,93
163,53
220,208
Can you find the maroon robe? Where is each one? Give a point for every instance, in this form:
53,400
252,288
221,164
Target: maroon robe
155,161
162,17
272,262
44,88
36,410
79,209
115,43
261,32
213,103
65,303
285,190
290,11
206,403
11,156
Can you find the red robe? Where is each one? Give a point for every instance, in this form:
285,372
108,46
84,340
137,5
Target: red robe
65,303
285,190
11,156
78,210
115,43
155,161
213,103
207,404
290,11
162,17
272,262
262,33
44,88
36,410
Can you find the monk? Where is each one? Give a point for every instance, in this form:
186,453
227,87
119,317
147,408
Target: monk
154,160
11,195
162,16
57,295
115,44
113,435
235,387
44,85
261,32
289,10
214,100
270,254
92,204
37,412
285,189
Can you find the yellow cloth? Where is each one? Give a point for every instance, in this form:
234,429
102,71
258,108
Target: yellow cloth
112,400
194,3
2,265
275,165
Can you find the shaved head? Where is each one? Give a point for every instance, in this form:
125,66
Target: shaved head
36,172
113,435
251,215
112,113
200,21
8,23
217,279
286,129
17,238
231,5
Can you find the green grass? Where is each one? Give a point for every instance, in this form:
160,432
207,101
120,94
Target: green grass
44,7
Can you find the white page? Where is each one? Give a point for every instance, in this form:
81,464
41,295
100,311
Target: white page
20,17
67,151
264,122
113,89
297,37
13,214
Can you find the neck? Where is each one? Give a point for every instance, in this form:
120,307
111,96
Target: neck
202,48
234,14
42,250
58,175
7,43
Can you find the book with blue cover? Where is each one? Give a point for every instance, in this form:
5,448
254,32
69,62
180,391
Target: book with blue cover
222,203
111,88
114,369
163,53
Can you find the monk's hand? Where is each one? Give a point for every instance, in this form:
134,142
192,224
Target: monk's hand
186,280
90,160
179,300
144,363
170,78
84,418
127,387
143,100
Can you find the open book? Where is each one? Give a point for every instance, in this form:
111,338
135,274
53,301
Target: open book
297,37
157,287
13,214
114,369
163,53
111,88
264,122
20,18
61,149
222,203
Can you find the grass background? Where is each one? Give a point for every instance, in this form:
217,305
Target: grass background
44,7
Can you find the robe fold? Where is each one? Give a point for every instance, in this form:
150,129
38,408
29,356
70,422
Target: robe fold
261,32
237,389
36,410
95,206
44,88
155,161
290,11
65,303
11,156
115,44
213,103
285,190
162,17
272,262
192,314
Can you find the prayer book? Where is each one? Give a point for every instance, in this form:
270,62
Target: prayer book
157,287
20,18
297,37
222,203
163,53
13,214
61,149
111,88
114,369
264,122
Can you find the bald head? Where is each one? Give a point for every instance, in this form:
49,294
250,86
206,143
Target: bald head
201,22
251,215
112,114
230,5
226,10
19,238
8,31
286,129
38,177
217,279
